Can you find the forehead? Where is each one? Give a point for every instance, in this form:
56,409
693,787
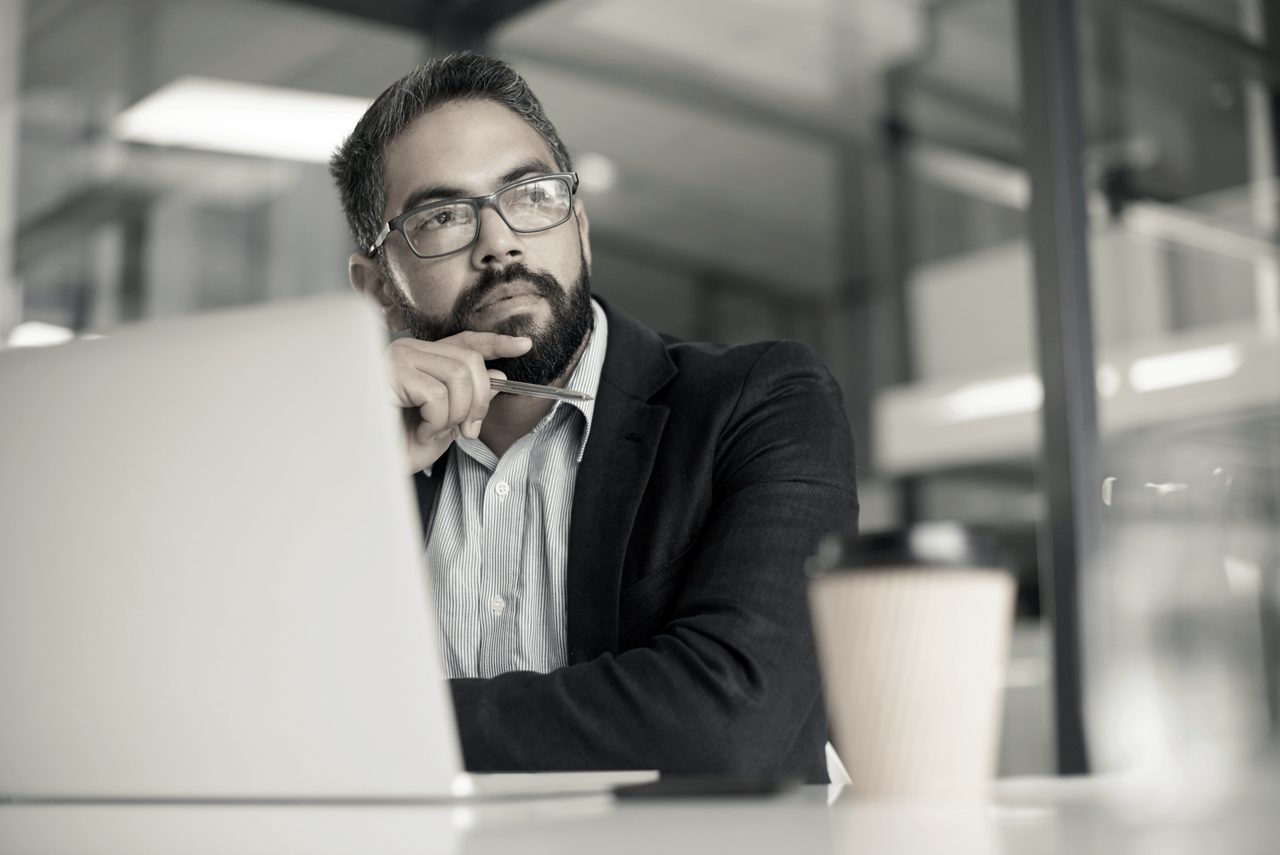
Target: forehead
463,144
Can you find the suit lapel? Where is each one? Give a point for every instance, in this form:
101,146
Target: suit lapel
611,479
625,434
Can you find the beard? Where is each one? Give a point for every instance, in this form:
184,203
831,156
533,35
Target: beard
554,345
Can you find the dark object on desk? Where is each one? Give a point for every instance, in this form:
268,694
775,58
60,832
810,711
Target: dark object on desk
706,786
925,545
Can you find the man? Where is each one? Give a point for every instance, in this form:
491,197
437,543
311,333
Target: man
619,582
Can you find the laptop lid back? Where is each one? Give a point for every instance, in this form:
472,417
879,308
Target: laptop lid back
211,579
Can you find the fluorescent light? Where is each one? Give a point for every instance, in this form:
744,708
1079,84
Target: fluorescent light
1184,367
597,173
1243,577
241,118
978,177
1109,380
1022,393
38,334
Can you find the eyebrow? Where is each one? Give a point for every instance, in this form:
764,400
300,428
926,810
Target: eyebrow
441,192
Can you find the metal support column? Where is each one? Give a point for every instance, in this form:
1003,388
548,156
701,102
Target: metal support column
1259,108
133,268
899,202
855,299
1053,145
10,73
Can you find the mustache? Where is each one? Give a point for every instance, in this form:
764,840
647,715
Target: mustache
489,281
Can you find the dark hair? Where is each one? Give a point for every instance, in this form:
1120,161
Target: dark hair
357,165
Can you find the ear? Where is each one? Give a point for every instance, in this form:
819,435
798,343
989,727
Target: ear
584,229
369,279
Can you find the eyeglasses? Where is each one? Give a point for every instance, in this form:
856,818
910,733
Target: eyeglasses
528,205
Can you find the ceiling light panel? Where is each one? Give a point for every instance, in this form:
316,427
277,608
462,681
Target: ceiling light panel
241,118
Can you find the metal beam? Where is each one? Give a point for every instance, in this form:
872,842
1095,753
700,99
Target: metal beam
1054,146
658,77
451,24
1196,36
457,25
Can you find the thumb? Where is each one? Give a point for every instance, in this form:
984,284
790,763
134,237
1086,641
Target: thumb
495,374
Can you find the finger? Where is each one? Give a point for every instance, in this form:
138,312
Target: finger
479,379
490,345
408,366
459,377
430,397
456,377
433,358
426,435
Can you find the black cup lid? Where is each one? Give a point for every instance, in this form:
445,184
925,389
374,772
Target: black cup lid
932,544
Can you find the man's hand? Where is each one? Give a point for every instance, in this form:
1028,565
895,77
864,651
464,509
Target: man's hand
443,387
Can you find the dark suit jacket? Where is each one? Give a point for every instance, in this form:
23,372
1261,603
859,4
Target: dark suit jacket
710,475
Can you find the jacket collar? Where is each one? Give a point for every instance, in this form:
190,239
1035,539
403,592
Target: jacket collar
636,360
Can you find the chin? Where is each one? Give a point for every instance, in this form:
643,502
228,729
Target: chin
522,323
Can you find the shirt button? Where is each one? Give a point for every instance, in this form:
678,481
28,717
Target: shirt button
502,488
497,604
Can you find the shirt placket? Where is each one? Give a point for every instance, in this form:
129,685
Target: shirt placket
502,531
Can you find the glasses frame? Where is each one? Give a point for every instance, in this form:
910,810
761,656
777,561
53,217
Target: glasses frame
479,203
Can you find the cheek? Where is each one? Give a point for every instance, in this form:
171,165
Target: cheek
568,258
431,286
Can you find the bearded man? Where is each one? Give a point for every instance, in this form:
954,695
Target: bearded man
618,578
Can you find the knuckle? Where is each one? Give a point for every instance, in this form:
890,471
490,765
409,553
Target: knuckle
458,372
435,394
401,348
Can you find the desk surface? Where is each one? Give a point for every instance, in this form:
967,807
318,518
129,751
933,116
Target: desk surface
1027,816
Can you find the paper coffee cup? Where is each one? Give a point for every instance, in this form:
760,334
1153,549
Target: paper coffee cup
913,636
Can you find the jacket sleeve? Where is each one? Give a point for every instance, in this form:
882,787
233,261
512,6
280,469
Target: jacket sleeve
727,684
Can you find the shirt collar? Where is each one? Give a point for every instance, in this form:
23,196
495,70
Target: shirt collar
585,378
586,375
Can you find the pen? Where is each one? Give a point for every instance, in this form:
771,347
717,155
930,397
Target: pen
534,390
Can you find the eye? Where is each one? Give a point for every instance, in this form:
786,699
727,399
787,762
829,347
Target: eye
440,219
532,197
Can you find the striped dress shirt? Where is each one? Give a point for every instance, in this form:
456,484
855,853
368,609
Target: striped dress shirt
499,539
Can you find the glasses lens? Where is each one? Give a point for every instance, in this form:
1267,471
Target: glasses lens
537,205
441,229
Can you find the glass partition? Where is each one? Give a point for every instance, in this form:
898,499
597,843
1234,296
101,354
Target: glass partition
1180,614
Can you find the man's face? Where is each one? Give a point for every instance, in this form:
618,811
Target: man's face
519,284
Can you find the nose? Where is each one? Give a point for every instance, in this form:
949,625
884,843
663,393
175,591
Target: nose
497,245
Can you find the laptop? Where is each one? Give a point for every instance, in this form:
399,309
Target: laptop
211,572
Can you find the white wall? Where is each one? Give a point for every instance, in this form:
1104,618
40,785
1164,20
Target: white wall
973,314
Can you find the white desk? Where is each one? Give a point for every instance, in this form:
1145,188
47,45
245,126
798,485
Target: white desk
1026,817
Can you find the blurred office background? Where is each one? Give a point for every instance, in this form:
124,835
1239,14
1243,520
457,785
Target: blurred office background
855,174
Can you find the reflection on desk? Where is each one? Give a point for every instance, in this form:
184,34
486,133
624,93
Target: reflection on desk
1026,816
